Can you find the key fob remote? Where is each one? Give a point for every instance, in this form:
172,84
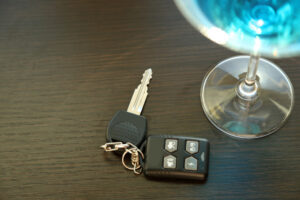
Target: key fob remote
176,157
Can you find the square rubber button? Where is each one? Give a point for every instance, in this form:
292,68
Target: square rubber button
190,163
170,162
192,146
171,145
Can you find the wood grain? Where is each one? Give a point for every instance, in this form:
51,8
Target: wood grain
68,66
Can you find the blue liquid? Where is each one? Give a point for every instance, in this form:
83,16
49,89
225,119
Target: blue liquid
261,27
264,18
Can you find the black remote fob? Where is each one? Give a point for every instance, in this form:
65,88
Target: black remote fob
176,157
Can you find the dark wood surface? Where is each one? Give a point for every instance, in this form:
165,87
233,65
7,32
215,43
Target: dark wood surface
67,66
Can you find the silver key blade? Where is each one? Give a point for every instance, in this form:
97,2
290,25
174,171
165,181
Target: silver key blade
140,94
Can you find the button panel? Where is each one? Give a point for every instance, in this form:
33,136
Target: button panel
192,146
170,162
171,145
176,157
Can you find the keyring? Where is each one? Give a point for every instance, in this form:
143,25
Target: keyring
134,152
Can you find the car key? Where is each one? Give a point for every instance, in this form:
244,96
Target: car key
130,126
176,157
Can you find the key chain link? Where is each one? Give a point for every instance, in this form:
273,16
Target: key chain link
114,146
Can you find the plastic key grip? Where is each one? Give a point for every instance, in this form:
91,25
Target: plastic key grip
127,127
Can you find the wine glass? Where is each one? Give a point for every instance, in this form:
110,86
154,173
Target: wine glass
238,97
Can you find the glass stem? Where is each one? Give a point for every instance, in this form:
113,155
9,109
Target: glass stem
252,69
248,89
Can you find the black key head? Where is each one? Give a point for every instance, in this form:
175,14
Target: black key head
127,127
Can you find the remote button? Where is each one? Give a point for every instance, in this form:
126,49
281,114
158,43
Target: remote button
170,162
171,145
192,147
190,163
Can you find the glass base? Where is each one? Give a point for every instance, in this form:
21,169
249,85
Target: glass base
231,115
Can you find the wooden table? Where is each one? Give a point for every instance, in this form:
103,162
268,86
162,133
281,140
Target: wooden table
68,66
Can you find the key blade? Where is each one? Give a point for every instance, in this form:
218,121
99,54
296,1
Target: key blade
140,94
147,76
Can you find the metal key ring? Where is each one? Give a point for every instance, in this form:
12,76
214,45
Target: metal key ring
133,168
